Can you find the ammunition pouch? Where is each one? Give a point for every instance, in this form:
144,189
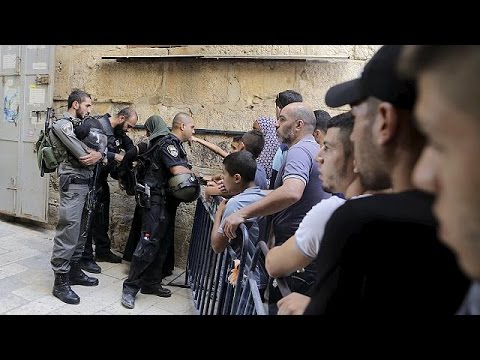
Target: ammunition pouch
49,159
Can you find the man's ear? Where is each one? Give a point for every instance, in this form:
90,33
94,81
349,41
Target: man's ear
299,124
386,123
238,178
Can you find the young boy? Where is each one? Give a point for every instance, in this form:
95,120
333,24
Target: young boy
238,178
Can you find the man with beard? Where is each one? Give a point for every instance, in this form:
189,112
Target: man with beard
115,128
75,174
337,171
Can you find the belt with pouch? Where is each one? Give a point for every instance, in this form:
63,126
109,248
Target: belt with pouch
79,181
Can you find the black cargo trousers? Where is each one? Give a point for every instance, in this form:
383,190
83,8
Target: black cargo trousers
151,251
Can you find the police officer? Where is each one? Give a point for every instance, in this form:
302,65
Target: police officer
156,129
167,159
75,174
115,128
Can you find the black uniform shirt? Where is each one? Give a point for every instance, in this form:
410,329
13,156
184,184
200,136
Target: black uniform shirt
171,153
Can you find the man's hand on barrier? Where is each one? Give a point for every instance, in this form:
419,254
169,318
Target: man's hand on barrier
293,304
231,224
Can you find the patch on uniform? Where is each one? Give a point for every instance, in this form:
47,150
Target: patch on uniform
172,150
67,128
117,142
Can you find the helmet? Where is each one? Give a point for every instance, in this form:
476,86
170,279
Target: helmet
96,140
184,187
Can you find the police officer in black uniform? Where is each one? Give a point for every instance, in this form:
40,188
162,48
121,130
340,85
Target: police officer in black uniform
156,129
167,158
115,128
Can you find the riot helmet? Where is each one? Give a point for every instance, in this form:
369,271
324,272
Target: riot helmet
96,140
184,187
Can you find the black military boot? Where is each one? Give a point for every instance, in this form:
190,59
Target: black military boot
63,291
159,291
90,266
78,277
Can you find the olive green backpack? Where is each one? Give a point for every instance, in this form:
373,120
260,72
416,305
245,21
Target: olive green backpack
50,150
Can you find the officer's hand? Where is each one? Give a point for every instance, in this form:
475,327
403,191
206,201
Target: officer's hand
119,157
293,304
91,158
129,156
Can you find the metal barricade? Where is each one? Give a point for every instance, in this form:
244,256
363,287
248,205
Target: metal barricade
207,272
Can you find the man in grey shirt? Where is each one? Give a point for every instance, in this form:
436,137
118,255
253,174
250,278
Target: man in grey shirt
297,189
75,174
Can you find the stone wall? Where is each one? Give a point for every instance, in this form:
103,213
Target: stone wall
220,94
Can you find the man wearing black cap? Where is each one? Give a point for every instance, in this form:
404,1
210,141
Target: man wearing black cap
380,254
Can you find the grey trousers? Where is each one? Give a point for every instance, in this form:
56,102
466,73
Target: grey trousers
67,243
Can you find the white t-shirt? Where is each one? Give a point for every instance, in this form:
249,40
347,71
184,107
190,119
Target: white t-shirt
310,232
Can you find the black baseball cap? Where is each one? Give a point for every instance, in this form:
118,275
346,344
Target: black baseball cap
379,79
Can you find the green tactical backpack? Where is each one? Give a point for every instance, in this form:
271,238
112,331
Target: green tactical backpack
50,150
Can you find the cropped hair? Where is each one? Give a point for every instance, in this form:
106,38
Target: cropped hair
254,142
345,123
322,118
287,97
243,163
128,112
77,95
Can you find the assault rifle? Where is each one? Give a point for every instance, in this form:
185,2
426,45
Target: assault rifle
48,119
91,201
